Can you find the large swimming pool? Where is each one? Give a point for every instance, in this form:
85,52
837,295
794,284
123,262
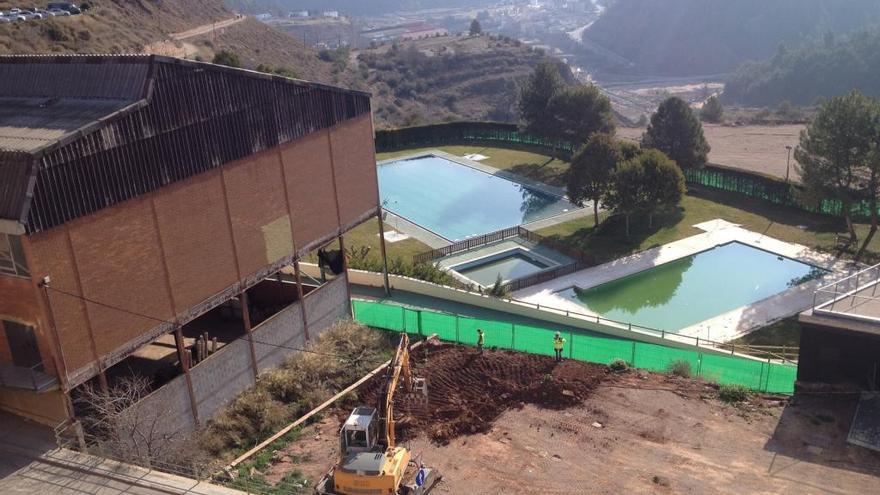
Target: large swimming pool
456,201
684,292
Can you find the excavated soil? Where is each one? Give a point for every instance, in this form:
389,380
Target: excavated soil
467,392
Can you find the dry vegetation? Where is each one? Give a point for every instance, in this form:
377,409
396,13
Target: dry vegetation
446,78
334,361
146,26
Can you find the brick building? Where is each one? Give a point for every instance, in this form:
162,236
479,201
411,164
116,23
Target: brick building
153,212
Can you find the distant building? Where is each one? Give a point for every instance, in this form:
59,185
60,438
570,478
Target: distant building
263,17
407,31
298,14
153,213
334,14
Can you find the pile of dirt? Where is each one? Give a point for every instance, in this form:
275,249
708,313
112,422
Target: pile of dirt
467,392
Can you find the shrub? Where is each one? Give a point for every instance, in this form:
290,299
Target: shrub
618,365
499,289
733,393
680,367
302,382
227,58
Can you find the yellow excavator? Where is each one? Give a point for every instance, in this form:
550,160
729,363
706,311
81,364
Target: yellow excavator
370,461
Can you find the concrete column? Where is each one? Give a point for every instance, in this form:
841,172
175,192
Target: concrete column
246,320
302,299
181,351
385,282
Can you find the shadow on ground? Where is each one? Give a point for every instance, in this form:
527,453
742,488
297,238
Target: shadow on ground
813,429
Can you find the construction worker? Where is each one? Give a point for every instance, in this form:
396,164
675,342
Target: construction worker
558,344
481,340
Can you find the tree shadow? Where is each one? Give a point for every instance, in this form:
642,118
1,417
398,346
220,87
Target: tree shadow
785,215
541,172
609,241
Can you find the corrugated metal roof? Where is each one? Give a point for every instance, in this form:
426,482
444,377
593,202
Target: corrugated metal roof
78,134
30,124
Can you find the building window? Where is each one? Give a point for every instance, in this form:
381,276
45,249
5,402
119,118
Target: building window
22,344
12,260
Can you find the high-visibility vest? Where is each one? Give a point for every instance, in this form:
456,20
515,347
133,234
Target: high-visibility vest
557,343
481,339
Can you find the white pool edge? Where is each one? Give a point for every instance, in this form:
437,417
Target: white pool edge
726,326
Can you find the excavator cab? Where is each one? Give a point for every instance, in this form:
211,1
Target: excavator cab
370,462
360,433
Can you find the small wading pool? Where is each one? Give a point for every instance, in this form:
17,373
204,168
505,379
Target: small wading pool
510,265
456,201
681,293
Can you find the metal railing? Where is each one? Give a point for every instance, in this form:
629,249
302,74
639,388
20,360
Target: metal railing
32,378
500,235
845,296
697,341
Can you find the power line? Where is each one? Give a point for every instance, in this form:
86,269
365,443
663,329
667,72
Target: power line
246,336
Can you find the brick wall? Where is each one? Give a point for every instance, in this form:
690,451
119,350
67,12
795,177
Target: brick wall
177,252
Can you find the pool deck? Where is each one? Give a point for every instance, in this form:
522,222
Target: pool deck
436,241
724,327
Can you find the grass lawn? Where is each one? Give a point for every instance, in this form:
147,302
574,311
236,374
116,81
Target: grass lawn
533,165
366,236
788,224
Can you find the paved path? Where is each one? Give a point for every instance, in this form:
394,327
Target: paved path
30,463
206,28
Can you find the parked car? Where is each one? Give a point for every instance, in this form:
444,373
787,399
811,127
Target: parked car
5,20
17,17
60,13
45,13
67,6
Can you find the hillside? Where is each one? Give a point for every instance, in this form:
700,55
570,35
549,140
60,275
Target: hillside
822,68
354,7
700,37
447,78
158,26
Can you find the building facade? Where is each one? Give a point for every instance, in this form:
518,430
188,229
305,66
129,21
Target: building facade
148,205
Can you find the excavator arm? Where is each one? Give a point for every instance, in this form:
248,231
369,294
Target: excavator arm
399,367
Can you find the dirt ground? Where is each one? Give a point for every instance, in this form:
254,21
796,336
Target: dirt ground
759,148
633,432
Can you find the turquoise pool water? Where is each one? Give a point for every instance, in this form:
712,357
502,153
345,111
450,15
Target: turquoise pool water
510,266
456,201
684,292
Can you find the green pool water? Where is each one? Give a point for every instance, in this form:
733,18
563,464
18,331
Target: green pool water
684,292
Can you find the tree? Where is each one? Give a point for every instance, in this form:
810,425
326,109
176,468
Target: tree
589,175
834,150
578,112
476,29
712,110
227,58
664,182
534,95
625,195
675,130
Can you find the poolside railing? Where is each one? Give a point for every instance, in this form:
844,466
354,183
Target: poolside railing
466,245
846,295
497,236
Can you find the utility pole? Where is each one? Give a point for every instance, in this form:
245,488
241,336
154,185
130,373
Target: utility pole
788,162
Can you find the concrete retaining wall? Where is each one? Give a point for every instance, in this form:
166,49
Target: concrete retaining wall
225,374
560,317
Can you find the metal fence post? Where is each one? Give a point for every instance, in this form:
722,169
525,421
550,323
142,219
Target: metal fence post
570,345
633,362
513,337
457,338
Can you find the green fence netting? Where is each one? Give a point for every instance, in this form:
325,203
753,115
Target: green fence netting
723,178
756,375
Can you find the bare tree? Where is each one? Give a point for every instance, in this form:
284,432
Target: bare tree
119,426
